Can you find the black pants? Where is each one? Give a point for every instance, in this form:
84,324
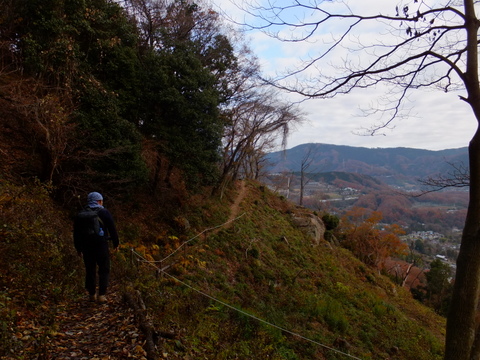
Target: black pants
93,256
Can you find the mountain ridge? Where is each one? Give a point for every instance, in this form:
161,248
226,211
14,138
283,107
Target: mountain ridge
376,162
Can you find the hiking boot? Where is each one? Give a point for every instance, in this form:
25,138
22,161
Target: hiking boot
92,298
102,299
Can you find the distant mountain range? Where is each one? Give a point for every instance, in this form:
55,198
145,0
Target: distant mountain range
376,162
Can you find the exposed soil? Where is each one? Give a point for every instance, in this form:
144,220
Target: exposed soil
235,208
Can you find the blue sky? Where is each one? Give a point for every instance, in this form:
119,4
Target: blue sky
435,120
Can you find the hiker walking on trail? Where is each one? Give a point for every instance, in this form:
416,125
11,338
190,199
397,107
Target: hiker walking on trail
93,228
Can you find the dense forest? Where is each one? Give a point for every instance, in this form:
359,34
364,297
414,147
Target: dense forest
126,94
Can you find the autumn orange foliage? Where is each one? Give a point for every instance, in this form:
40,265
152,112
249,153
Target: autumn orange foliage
371,242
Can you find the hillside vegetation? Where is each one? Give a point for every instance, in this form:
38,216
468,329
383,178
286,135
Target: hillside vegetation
421,190
163,117
398,163
216,287
337,192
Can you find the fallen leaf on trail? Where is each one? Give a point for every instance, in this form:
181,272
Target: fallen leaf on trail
84,331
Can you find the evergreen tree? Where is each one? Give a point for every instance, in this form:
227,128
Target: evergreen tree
439,286
183,86
88,49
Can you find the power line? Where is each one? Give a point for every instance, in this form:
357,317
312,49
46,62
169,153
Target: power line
186,242
152,263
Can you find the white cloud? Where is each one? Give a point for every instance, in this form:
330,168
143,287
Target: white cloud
437,120
442,121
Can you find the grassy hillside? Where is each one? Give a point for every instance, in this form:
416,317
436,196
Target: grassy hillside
253,286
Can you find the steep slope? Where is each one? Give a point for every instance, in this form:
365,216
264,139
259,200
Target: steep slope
241,281
260,288
44,313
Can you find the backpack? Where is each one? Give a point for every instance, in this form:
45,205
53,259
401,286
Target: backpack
89,224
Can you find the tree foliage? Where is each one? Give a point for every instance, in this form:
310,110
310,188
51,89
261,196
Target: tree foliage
252,125
203,79
363,234
137,90
439,286
181,111
83,54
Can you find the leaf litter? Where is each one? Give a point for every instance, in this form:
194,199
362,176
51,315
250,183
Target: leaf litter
82,330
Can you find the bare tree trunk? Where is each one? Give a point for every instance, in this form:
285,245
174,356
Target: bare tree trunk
461,327
156,174
405,278
302,186
462,338
168,176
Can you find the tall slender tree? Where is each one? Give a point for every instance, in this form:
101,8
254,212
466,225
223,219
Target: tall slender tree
181,92
253,125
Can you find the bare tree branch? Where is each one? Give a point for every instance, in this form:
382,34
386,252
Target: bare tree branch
407,59
458,177
420,43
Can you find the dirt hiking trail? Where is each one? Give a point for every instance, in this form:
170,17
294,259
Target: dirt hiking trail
87,330
235,208
93,331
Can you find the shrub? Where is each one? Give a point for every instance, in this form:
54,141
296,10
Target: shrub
331,221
